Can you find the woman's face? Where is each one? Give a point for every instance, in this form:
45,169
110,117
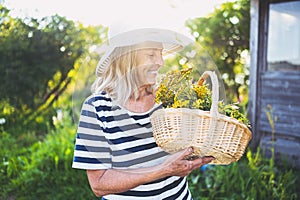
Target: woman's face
149,61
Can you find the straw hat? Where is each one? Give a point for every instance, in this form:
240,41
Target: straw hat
170,42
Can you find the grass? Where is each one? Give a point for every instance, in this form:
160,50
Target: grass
41,169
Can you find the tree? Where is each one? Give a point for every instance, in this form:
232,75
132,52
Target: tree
225,35
36,57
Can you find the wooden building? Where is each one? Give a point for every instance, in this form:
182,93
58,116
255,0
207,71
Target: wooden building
275,77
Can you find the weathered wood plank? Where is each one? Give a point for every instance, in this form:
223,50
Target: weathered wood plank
281,90
281,129
285,149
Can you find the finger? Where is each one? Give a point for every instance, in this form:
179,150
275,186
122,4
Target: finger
207,159
186,153
182,154
191,165
202,161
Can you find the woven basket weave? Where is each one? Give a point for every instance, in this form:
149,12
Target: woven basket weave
208,132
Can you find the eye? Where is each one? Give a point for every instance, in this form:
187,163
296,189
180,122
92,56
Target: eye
151,54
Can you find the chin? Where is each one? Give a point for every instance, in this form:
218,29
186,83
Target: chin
151,81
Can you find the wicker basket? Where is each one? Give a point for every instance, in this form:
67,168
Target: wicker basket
208,132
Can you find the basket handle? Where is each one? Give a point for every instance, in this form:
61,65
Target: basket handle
215,90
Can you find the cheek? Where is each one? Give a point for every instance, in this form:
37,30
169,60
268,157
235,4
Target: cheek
146,76
140,74
142,71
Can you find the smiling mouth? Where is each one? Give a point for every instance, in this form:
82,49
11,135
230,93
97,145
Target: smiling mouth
153,72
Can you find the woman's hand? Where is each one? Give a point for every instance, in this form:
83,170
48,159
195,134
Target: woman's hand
177,165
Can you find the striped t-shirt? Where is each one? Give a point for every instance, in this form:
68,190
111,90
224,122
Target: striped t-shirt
109,136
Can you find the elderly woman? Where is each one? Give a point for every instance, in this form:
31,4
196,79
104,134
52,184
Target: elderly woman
114,140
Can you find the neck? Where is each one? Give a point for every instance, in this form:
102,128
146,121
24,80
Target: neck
143,103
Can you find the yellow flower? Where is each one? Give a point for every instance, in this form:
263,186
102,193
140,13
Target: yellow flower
181,103
177,91
201,90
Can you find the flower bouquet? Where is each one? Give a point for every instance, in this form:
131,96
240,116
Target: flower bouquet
192,115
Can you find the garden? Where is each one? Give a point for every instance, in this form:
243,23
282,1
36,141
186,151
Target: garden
44,67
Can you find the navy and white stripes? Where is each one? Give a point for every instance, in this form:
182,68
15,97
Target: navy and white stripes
109,136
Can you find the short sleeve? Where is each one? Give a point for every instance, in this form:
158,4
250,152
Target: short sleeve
91,147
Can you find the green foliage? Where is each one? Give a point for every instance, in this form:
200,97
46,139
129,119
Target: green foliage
31,56
9,166
39,62
233,111
36,62
253,177
225,35
177,90
44,170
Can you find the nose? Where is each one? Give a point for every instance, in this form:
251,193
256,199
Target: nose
159,60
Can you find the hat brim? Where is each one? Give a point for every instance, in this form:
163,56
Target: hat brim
170,41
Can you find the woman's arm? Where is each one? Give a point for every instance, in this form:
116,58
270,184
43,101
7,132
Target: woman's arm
110,181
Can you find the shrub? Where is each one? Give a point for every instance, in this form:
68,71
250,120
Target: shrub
43,171
253,177
9,164
47,173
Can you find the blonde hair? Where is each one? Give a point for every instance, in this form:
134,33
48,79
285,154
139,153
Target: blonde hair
120,80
